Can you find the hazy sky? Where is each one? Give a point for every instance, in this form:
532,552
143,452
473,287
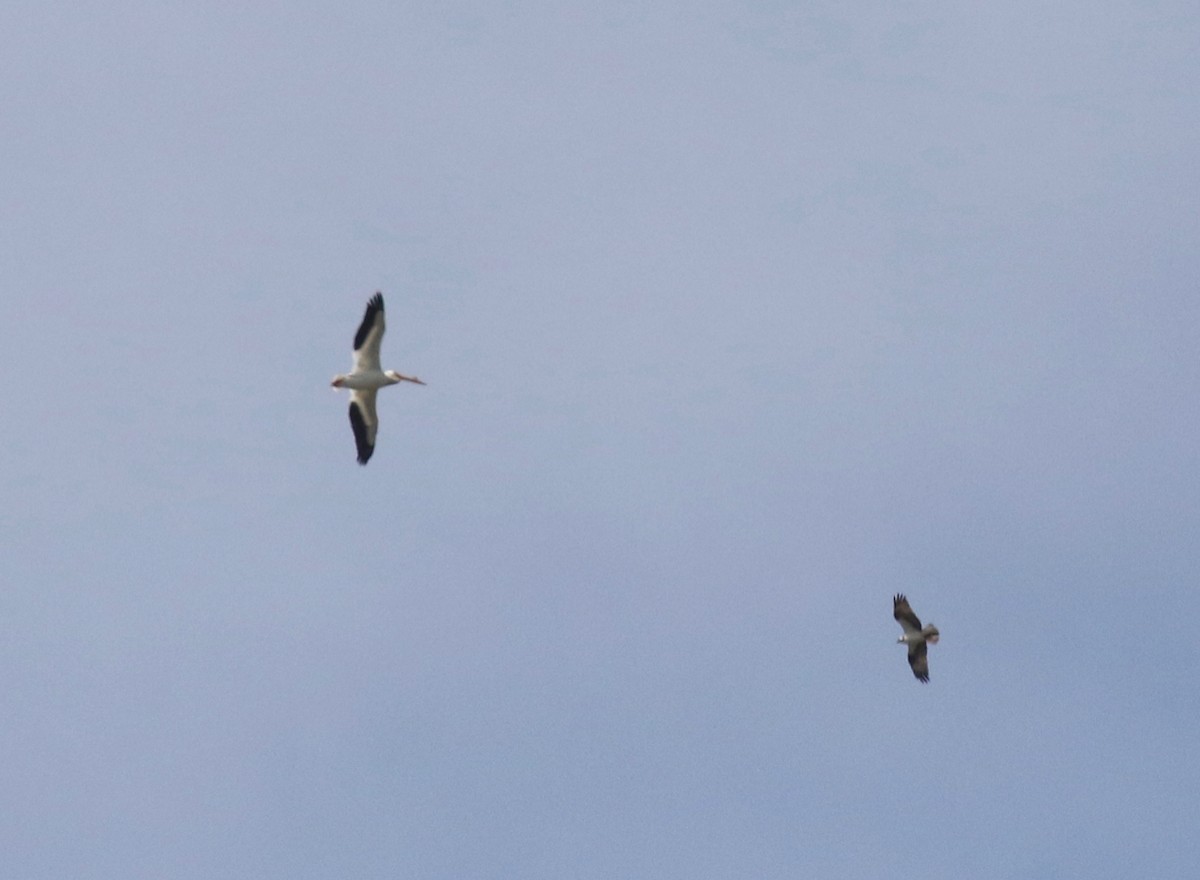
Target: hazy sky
737,318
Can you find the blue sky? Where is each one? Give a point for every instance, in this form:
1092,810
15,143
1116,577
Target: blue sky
737,319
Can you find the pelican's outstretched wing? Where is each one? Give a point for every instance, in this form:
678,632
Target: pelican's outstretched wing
369,336
364,421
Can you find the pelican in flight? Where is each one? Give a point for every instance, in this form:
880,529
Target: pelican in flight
917,638
367,378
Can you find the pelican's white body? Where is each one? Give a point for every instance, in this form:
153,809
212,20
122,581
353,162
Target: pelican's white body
367,380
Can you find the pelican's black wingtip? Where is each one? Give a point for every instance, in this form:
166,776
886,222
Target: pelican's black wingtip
362,440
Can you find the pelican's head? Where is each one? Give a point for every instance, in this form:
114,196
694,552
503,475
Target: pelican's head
337,381
400,377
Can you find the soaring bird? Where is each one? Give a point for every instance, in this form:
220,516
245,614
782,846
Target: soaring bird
367,378
917,638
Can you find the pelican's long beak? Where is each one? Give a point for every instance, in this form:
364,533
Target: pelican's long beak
413,379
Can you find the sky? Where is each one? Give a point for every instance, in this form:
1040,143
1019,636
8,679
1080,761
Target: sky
736,318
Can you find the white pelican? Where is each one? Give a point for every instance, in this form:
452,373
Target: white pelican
366,378
917,638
